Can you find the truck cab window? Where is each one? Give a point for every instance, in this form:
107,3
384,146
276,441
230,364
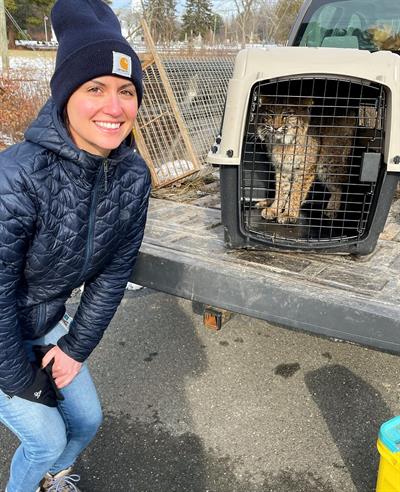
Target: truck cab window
369,25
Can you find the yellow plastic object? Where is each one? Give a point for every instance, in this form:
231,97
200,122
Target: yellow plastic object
389,470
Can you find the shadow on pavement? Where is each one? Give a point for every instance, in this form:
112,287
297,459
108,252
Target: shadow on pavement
135,457
147,442
353,411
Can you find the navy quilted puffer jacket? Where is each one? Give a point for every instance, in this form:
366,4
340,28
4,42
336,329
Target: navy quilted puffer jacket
66,217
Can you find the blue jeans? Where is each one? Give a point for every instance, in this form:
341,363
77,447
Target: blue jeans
51,438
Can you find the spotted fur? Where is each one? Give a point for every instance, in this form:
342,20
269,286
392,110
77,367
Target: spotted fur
284,127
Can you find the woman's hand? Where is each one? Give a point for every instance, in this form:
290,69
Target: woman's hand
64,368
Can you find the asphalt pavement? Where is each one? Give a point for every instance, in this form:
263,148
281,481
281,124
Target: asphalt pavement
250,408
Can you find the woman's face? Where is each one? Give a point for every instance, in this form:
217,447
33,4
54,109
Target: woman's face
101,114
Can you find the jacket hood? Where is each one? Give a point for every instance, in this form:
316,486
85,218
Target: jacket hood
48,130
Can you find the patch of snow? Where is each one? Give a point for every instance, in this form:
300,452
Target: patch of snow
172,169
35,66
132,286
129,286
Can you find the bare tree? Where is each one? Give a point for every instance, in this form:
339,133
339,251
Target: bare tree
285,12
245,18
130,19
266,20
161,19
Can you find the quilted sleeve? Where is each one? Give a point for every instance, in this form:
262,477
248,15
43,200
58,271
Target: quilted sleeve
103,293
17,222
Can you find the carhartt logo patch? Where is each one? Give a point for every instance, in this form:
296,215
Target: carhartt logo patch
122,64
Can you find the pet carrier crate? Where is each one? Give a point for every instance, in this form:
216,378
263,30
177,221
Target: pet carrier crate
309,151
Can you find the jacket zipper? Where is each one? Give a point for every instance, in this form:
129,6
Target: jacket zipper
105,165
40,315
92,220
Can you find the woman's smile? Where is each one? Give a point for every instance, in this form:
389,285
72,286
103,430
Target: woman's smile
108,125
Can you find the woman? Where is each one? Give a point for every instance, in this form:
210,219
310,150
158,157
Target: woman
73,202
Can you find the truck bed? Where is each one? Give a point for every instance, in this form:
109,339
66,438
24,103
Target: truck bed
340,296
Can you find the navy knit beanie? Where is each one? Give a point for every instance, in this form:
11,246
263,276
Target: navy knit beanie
90,45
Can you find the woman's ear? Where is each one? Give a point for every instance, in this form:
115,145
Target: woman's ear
130,140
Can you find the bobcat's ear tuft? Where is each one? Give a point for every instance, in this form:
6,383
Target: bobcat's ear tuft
307,101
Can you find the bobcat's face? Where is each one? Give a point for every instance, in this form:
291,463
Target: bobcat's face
281,123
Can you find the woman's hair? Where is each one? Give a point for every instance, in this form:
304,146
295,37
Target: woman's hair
65,120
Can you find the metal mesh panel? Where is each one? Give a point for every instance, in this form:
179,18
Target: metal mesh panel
200,85
159,132
181,113
311,164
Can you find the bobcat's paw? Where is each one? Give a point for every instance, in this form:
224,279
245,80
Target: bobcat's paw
331,212
264,203
287,218
332,209
270,213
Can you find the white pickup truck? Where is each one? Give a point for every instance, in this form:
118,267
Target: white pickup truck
353,298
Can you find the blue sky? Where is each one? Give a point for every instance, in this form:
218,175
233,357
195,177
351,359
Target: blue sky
118,4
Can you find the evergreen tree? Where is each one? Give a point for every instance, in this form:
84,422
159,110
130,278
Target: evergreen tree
197,18
29,15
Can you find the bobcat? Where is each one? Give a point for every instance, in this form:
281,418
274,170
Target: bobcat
336,145
300,154
285,130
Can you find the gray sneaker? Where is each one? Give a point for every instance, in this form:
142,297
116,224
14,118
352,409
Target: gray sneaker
64,481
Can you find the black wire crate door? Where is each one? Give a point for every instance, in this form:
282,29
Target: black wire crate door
312,166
